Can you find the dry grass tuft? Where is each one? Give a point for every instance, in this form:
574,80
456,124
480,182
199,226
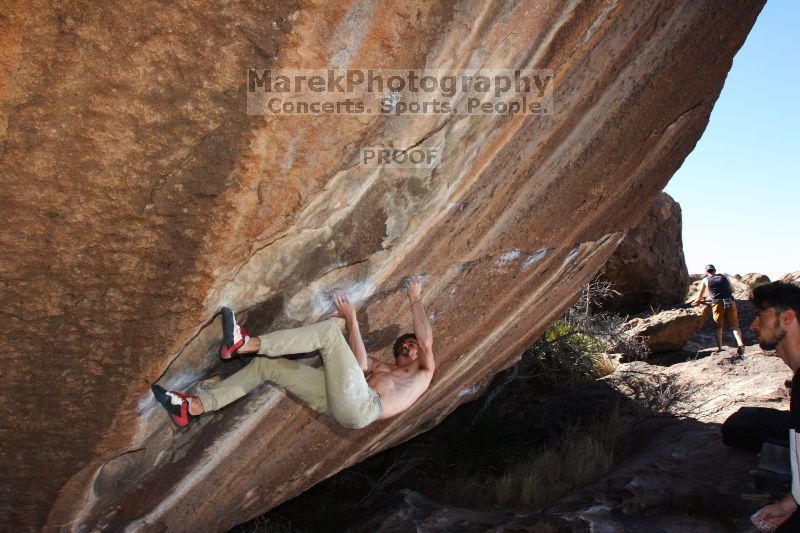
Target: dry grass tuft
580,457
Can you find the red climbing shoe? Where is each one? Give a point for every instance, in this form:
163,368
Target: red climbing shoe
233,335
176,404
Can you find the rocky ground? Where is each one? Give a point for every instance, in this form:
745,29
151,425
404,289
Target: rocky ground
688,480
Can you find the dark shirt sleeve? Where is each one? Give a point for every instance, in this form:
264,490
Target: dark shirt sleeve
794,436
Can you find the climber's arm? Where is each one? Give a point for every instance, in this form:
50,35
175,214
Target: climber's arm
422,326
348,311
701,293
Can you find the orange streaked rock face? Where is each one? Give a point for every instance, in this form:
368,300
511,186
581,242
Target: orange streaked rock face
139,196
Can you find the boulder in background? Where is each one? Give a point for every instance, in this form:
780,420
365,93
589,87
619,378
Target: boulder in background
648,268
670,330
753,278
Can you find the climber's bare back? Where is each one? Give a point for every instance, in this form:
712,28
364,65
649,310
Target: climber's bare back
399,386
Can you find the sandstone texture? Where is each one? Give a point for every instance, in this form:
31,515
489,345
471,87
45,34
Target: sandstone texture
140,196
670,330
648,269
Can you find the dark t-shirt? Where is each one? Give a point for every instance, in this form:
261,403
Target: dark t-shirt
719,287
794,435
794,403
792,525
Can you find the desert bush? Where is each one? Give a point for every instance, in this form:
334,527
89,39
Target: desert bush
563,357
659,394
573,350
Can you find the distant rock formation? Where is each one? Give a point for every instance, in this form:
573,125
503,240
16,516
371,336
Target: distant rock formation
648,268
139,196
753,278
792,277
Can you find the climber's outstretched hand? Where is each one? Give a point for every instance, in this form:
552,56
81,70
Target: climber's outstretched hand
344,308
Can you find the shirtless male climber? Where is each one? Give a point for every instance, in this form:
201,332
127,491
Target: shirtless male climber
351,388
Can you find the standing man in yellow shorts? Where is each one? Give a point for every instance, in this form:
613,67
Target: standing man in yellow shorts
351,388
723,305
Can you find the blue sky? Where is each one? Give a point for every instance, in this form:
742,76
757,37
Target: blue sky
740,188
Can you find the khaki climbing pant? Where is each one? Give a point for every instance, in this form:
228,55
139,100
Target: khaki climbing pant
339,389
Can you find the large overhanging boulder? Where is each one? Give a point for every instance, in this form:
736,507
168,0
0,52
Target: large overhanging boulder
139,196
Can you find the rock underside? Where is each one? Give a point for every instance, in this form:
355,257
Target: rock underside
140,196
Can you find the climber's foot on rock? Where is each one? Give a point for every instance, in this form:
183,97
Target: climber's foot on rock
233,336
740,350
179,406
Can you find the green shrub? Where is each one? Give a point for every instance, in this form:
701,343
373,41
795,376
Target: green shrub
565,357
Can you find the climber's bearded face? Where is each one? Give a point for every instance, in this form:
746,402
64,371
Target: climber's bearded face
767,325
408,351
